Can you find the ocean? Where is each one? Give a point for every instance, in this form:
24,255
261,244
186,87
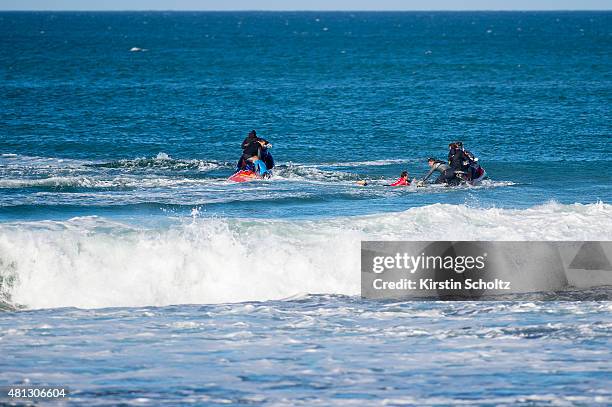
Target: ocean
132,271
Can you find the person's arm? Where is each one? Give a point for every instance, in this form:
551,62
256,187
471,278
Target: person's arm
429,173
245,143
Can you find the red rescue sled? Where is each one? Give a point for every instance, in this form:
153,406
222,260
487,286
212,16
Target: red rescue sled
244,176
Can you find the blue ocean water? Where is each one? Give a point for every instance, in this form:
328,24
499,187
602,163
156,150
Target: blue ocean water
118,132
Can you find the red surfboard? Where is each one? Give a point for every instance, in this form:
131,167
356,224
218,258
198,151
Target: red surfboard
244,176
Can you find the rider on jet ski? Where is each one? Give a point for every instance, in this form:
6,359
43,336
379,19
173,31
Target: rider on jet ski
255,155
457,159
474,172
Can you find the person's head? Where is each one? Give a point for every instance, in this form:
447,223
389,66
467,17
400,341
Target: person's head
404,174
431,161
459,144
452,146
252,134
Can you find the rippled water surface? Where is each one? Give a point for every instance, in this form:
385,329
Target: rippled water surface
318,350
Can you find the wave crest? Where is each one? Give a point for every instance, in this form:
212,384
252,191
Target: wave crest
93,262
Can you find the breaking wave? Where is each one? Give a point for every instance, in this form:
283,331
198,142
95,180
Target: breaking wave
93,262
164,161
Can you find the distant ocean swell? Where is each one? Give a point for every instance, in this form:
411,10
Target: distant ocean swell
94,262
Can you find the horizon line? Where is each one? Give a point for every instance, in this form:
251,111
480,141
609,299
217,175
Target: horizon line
310,10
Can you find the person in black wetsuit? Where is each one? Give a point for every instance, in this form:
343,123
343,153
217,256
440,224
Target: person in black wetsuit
447,174
255,148
252,136
457,158
452,147
266,156
471,167
248,141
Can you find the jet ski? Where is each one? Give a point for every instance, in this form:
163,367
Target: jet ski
476,179
251,172
479,175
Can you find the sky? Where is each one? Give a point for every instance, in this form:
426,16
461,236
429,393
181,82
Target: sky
305,5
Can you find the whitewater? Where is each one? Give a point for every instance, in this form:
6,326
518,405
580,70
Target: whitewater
95,262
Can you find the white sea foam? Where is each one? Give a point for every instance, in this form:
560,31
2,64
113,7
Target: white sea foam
99,182
37,162
370,163
310,173
52,182
93,262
